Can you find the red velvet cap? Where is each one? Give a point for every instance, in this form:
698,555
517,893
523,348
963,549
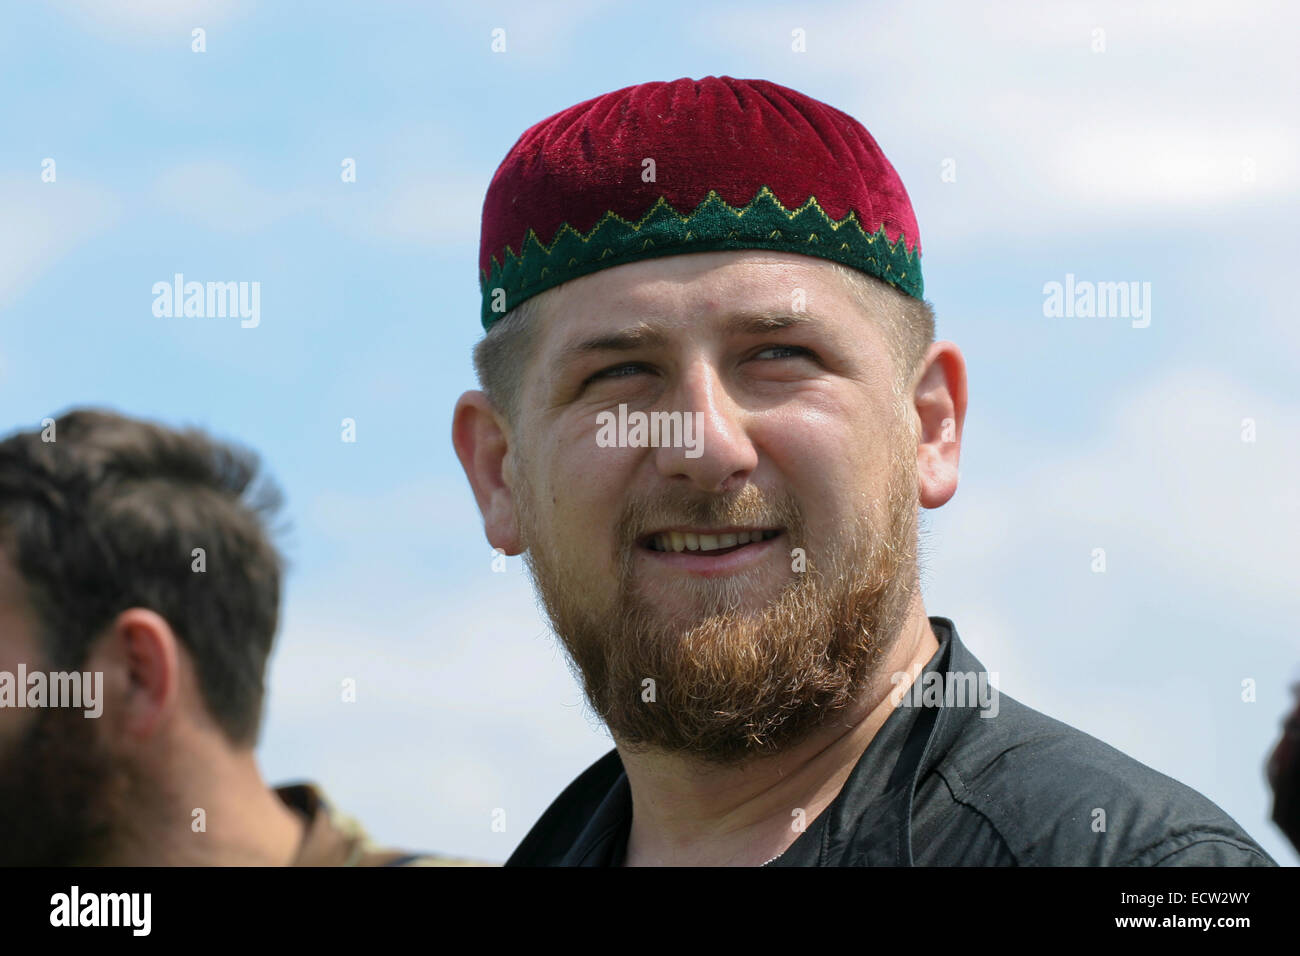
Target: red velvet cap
691,166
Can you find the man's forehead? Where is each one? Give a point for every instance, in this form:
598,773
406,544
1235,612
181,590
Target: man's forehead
733,292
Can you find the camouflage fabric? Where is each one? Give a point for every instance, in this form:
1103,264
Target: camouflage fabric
332,838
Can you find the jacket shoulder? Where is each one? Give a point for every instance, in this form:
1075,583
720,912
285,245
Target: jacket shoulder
1056,796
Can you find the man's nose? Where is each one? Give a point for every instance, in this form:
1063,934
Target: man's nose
716,453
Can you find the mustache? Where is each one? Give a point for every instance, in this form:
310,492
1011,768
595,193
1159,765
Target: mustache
747,507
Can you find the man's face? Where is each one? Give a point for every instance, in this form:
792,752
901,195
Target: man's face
718,655
60,791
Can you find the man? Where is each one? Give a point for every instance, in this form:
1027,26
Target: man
711,407
138,587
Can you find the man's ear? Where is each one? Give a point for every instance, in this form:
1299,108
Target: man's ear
481,445
139,655
940,399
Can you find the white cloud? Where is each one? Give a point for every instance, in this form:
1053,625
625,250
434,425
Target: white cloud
1047,134
1160,162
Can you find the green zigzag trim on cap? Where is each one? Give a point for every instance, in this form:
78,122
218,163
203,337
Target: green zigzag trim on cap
714,225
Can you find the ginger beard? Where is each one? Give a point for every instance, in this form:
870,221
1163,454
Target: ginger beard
731,683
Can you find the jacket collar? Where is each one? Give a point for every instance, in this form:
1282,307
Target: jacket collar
869,823
604,839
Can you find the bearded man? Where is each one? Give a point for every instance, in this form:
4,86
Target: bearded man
745,615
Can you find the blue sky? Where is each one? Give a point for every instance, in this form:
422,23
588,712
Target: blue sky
1171,156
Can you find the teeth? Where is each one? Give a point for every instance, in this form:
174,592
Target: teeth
686,541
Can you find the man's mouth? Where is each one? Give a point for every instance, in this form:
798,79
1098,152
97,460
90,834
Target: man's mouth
704,541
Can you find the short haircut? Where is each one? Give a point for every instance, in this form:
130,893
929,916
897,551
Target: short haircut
908,322
106,517
501,356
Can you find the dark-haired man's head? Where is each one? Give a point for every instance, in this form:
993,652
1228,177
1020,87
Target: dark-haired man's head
135,557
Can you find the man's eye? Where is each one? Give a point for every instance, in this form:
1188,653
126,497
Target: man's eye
796,349
618,371
609,372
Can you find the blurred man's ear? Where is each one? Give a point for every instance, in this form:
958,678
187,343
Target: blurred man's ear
481,445
140,658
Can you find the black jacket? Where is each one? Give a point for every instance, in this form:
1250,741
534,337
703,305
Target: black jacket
941,785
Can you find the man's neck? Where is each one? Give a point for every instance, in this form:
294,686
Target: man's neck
243,822
685,813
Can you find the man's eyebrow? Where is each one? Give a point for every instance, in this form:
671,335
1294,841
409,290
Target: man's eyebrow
624,340
646,335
